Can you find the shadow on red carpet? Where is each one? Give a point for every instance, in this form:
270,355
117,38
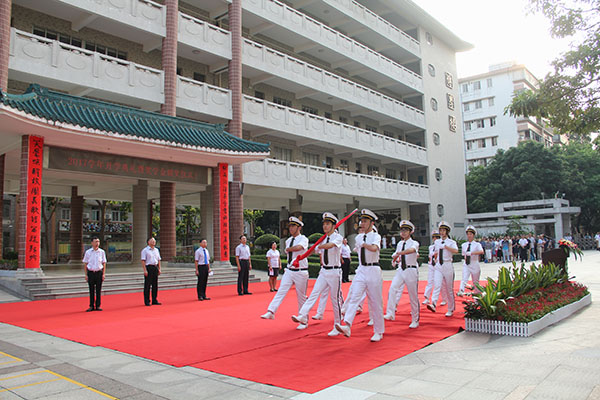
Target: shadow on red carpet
226,334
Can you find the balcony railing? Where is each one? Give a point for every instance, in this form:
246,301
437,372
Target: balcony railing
304,125
75,67
283,174
374,22
311,77
204,36
203,98
301,24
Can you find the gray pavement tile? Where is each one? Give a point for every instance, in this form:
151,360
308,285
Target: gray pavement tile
402,371
473,393
197,371
416,387
8,370
199,388
243,394
502,382
595,395
569,375
143,396
10,396
45,389
230,380
532,370
272,390
520,392
452,376
382,396
335,393
170,376
117,389
79,394
559,391
372,381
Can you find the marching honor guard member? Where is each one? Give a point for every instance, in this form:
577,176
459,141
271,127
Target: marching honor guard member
295,245
368,278
444,271
431,272
330,275
406,255
471,250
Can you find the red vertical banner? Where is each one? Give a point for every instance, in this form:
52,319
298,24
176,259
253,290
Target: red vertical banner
34,202
224,209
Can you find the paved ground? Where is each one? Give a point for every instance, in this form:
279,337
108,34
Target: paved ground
561,362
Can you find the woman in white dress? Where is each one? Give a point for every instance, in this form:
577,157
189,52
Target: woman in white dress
274,261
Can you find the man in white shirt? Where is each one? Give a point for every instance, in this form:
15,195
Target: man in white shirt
151,264
471,250
444,271
431,273
295,245
346,258
597,238
244,265
368,278
95,269
524,248
406,255
330,275
202,264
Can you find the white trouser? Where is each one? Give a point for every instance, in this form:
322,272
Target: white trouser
430,281
474,271
329,280
444,274
323,303
368,280
297,278
409,278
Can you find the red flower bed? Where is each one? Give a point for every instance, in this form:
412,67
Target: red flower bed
539,302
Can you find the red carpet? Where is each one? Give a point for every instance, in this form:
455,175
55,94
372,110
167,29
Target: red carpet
226,335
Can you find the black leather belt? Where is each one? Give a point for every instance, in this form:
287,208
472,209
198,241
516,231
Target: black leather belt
408,266
326,267
371,264
297,269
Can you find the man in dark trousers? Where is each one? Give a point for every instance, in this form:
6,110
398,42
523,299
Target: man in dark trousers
95,268
244,265
151,265
201,259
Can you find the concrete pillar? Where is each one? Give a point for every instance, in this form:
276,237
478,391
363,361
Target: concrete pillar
295,207
150,216
558,227
206,215
236,201
5,15
166,234
139,234
169,58
2,157
76,229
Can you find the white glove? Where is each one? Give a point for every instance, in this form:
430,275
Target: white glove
468,254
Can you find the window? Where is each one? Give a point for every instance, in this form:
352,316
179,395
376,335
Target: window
328,162
489,82
373,170
310,158
420,180
357,124
429,38
65,213
179,71
438,174
390,173
490,101
449,80
98,48
478,104
495,141
327,115
6,209
492,121
436,138
344,165
450,101
465,88
282,102
117,215
481,143
310,110
95,215
467,125
469,144
53,35
358,168
343,120
282,154
477,85
434,104
371,128
259,95
202,78
452,123
389,134
440,210
431,69
480,123
466,106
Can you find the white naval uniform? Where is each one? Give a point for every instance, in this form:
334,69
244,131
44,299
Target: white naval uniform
431,277
292,276
409,277
473,269
329,279
368,279
444,272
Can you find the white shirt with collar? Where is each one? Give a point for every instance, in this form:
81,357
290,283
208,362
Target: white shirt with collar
372,257
242,251
94,259
298,240
199,256
333,254
273,258
440,244
523,242
475,246
345,251
431,253
150,255
411,259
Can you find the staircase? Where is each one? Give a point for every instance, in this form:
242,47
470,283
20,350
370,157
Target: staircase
63,286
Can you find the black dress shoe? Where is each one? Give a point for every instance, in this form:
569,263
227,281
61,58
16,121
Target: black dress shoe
207,298
90,309
247,293
147,304
156,303
98,309
200,298
240,294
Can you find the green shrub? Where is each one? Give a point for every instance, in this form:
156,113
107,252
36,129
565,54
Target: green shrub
11,255
183,259
265,240
9,264
314,237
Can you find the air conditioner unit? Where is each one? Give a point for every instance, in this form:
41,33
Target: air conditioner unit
86,215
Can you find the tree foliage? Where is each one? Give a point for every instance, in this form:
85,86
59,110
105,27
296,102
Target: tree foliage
569,96
531,171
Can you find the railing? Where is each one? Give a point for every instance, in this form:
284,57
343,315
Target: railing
73,65
376,23
305,125
203,98
284,174
268,60
200,34
299,23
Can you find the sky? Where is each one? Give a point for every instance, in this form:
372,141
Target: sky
500,30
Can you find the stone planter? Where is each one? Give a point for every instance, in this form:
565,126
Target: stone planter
526,329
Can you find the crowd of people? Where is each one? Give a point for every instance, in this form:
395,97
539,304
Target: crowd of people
515,248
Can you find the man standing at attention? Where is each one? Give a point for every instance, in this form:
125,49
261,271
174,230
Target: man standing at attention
202,264
95,268
151,265
444,271
244,265
368,278
471,250
346,258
